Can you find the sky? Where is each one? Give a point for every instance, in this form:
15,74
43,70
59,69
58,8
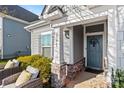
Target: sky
37,9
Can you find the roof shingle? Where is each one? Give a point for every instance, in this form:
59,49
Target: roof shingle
18,12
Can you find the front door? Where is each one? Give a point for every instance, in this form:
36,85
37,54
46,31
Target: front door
94,51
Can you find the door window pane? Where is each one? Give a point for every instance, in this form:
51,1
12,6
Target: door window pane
95,28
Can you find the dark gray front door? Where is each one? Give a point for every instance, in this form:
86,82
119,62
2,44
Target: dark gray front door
94,51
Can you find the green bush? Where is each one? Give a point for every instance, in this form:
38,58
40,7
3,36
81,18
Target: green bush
36,57
25,61
28,60
37,61
44,65
118,79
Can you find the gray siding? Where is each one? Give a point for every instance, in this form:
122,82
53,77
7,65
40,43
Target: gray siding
35,39
78,42
15,38
120,37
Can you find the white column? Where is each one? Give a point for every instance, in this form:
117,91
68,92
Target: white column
112,42
58,68
58,46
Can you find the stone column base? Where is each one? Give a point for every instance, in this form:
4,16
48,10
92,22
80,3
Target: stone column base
64,73
58,75
73,69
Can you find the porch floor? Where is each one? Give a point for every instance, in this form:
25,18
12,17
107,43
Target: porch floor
88,80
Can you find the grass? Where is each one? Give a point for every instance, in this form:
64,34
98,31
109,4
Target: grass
3,61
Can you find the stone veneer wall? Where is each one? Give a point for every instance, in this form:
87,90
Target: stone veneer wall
72,69
62,74
58,75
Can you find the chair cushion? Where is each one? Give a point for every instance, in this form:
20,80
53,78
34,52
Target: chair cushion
16,62
9,64
33,71
24,77
9,86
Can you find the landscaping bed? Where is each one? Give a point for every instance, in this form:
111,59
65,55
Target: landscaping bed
40,62
37,61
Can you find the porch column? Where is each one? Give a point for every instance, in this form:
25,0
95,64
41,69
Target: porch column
112,43
58,67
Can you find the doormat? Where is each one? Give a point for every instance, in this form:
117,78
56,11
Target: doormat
93,71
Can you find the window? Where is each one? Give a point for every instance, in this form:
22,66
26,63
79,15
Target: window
46,44
95,28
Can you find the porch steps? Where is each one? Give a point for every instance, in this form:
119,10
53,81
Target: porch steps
88,80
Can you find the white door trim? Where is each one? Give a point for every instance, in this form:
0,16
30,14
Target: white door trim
92,34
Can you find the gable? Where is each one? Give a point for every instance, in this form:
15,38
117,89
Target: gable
52,12
51,8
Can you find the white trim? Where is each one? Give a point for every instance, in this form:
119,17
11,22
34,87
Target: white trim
47,8
45,33
13,18
95,33
54,15
85,47
35,25
76,21
71,46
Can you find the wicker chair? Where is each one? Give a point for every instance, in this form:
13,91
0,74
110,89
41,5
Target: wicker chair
7,72
9,82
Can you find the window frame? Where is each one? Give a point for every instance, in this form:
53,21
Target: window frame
41,45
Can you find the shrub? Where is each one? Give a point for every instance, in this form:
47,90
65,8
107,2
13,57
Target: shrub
28,60
36,57
25,61
37,61
118,79
44,65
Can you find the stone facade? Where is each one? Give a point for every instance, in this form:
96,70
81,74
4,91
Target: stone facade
63,73
58,75
72,69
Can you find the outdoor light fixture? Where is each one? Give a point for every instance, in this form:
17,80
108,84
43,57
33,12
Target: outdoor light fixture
66,30
67,34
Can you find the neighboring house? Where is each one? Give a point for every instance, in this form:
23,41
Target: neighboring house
92,35
14,39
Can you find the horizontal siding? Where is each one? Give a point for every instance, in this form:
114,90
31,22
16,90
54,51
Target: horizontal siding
35,39
120,38
15,38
